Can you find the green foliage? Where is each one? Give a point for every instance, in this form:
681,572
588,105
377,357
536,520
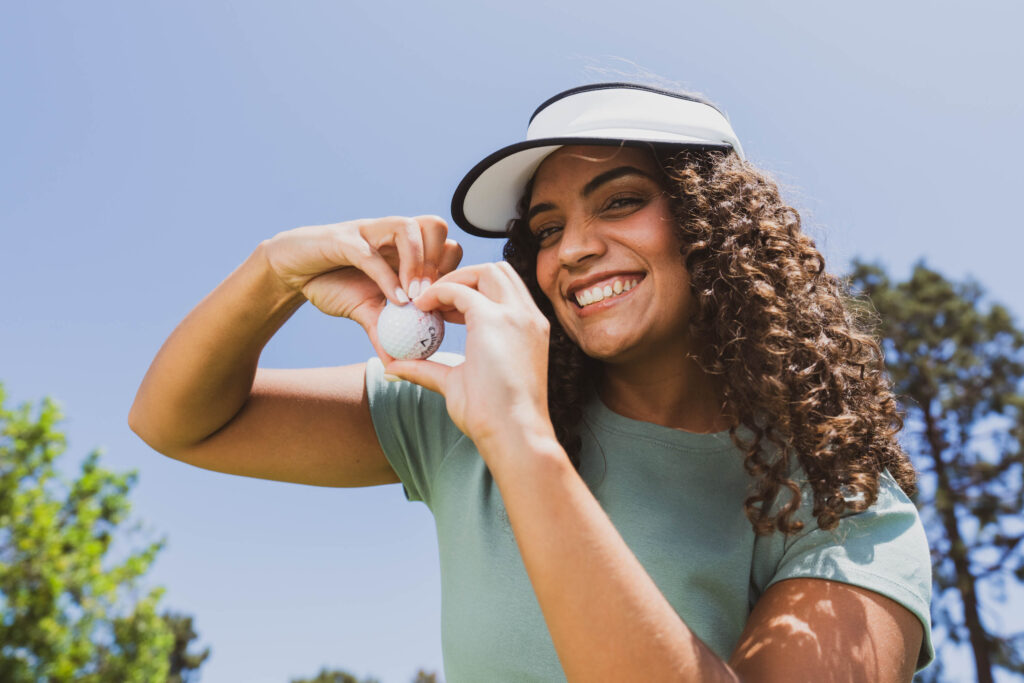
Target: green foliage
67,611
336,676
957,368
326,676
184,666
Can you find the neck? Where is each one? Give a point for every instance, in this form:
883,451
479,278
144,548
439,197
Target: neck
676,394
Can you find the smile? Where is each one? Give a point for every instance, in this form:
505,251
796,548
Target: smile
608,290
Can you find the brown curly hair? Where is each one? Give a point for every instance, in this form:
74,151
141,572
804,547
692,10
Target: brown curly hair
800,366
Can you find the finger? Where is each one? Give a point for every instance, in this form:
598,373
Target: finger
488,278
451,295
453,316
515,279
405,235
366,315
467,275
451,256
434,233
450,314
340,292
367,259
427,373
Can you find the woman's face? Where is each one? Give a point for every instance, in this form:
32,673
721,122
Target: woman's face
608,255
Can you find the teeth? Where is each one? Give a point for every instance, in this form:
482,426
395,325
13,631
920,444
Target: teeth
585,297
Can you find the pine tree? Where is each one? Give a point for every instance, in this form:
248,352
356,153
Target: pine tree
957,366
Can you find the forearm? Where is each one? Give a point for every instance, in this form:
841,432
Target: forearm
606,616
203,373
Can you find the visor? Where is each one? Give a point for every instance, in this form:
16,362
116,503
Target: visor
601,114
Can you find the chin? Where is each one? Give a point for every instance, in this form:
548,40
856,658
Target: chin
607,349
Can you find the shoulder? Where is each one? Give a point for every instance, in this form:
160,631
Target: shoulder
883,549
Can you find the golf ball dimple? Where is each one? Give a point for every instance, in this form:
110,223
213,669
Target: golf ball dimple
407,333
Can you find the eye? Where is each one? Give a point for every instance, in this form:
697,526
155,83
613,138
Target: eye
544,234
624,204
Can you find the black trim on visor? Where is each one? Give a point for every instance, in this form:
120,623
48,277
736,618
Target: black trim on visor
459,197
620,86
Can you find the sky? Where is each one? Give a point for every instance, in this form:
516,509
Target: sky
147,148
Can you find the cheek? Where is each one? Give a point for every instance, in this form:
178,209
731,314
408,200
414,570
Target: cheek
547,278
547,273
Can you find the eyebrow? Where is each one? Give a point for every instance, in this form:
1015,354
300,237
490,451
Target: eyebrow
590,187
611,175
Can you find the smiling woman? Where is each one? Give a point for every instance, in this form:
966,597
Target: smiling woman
669,452
600,216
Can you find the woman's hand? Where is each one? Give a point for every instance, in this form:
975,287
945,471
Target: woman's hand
501,388
350,269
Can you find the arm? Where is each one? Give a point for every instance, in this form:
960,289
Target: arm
813,629
203,400
609,621
606,616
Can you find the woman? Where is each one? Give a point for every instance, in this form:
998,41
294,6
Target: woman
705,486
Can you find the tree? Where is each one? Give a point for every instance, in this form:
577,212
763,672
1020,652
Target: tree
957,368
326,676
184,666
68,611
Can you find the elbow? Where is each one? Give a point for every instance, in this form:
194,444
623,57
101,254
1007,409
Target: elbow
137,423
142,427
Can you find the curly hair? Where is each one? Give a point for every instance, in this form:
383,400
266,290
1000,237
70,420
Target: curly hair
800,366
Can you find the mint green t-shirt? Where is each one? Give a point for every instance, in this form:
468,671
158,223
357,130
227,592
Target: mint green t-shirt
677,500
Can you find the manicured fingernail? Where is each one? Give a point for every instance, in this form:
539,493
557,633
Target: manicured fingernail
414,289
402,297
424,283
392,378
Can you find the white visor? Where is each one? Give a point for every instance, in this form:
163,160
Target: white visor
602,114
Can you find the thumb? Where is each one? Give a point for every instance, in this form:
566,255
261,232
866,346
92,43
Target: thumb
366,315
371,332
427,373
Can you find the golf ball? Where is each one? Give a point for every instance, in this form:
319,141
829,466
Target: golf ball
407,333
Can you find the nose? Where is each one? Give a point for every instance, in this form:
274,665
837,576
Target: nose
579,243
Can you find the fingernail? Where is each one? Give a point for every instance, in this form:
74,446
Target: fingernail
392,378
402,297
421,286
414,289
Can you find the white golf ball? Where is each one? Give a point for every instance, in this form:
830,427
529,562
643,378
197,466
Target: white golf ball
407,333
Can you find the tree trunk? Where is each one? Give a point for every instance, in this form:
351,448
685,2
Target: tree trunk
965,580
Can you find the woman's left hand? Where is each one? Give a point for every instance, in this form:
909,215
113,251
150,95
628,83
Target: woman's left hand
501,388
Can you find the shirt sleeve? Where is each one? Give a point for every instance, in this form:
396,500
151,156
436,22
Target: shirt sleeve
412,426
883,549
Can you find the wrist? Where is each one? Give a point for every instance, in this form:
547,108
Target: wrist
522,445
279,291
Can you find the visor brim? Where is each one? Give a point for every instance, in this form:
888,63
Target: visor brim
485,202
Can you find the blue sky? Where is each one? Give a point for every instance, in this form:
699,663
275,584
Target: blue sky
146,148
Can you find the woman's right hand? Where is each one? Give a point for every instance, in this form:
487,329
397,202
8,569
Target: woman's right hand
350,269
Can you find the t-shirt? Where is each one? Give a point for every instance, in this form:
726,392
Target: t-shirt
675,497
